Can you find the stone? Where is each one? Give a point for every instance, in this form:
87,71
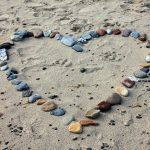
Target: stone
104,106
147,58
15,82
148,44
135,34
88,122
140,74
93,34
126,33
109,31
3,63
53,34
47,33
68,41
101,32
3,54
114,99
19,35
133,78
146,70
142,37
49,106
37,33
116,31
34,98
11,77
82,41
77,48
58,36
6,45
122,90
27,93
68,119
128,83
147,65
86,36
40,101
75,127
22,86
11,71
58,112
93,113
3,68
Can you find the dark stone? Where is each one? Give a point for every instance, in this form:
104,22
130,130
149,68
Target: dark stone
128,83
6,45
27,93
104,106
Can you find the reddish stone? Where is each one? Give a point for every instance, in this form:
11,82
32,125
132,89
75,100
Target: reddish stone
29,34
52,34
37,33
87,122
104,106
128,83
101,32
116,31
143,37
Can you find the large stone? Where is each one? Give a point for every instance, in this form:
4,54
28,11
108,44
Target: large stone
121,90
49,106
68,40
58,112
93,113
114,99
75,127
128,83
88,122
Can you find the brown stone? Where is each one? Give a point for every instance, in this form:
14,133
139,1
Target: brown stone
116,31
101,32
87,122
40,101
49,106
37,33
128,83
143,37
104,106
52,34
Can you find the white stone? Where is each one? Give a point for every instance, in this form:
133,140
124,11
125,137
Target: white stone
147,58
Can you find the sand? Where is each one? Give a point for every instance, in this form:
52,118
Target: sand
108,60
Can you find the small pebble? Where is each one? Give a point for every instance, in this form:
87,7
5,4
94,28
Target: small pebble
135,35
22,86
58,112
101,32
126,33
128,83
27,93
15,82
68,119
3,68
68,40
37,33
140,74
34,98
75,127
143,37
109,31
87,122
116,31
147,58
86,36
77,48
11,77
40,101
3,63
121,90
48,106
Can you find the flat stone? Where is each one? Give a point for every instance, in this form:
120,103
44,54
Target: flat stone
77,48
126,33
58,36
3,68
86,36
140,74
58,112
88,122
82,41
75,127
11,77
148,44
116,31
37,33
40,101
128,83
27,93
109,31
22,86
135,34
101,32
15,82
147,58
68,119
93,113
133,78
49,106
143,37
122,90
68,41
93,34
34,98
104,106
3,63
114,99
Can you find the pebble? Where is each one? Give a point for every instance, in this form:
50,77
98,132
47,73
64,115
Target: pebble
82,41
135,34
126,33
27,93
11,72
128,83
3,54
58,36
53,34
145,65
93,113
49,106
109,31
101,32
6,45
15,82
3,68
104,106
146,70
22,86
19,35
77,48
3,63
86,36
143,37
37,33
148,44
68,40
40,101
34,98
93,34
75,127
88,122
147,58
116,31
58,112
11,77
122,90
68,119
133,78
83,70
47,33
140,74
128,122
114,99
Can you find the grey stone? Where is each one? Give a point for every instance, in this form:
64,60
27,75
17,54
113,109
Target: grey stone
27,93
68,40
22,86
34,98
15,82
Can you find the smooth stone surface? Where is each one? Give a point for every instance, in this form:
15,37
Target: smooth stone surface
3,54
58,112
22,86
86,36
135,34
109,31
101,32
40,101
37,33
68,119
93,113
15,82
116,31
122,90
27,93
34,98
77,48
82,41
143,37
126,33
49,106
114,99
11,77
3,63
75,127
147,58
140,74
87,122
68,41
3,68
93,34
104,106
58,36
128,83
148,44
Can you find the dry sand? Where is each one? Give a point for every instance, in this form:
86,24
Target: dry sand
108,59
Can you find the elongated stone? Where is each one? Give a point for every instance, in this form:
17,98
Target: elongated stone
88,122
68,41
40,101
58,112
34,98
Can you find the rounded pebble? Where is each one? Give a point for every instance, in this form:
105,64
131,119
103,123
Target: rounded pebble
121,90
101,32
114,99
58,112
40,101
93,113
34,98
109,31
48,106
22,86
15,82
75,127
68,119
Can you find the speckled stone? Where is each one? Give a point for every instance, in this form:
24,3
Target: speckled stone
75,127
93,113
49,106
135,34
19,35
27,93
114,99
